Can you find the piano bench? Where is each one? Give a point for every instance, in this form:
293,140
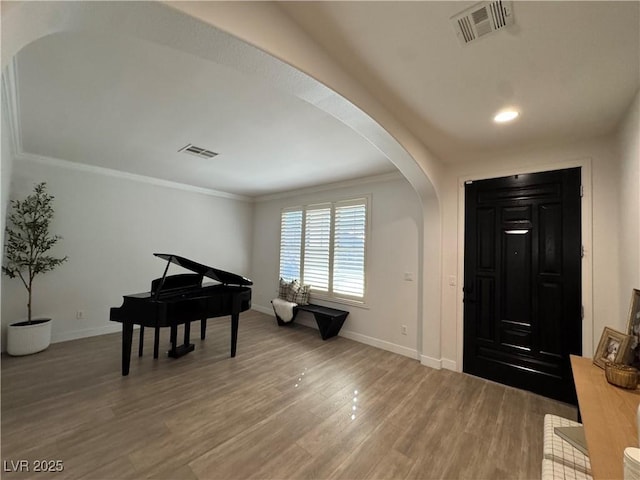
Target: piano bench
329,320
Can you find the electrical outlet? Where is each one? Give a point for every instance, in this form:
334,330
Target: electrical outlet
80,315
403,330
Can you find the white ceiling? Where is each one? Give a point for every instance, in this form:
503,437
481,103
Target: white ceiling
126,104
130,105
572,68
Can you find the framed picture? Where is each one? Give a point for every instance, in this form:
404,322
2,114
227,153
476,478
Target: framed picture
633,327
613,347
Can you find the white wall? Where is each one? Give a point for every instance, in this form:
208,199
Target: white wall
6,164
393,249
111,226
629,191
600,226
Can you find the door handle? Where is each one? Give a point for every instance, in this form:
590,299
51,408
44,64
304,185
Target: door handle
468,290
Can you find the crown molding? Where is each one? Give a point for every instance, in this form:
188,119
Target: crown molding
12,106
81,167
10,99
385,177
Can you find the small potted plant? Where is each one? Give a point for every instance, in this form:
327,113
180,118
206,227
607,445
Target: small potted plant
28,241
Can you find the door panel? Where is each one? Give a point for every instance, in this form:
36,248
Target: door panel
522,295
486,294
486,240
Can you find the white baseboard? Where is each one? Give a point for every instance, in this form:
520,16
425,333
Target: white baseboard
87,332
439,363
382,344
431,362
265,310
449,365
358,337
92,332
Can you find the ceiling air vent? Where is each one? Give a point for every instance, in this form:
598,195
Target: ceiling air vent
482,19
197,151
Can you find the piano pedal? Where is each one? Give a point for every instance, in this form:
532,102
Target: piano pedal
181,350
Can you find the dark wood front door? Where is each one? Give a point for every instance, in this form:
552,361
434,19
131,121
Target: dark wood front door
522,280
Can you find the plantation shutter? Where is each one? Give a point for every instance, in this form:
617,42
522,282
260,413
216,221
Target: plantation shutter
349,248
290,244
317,243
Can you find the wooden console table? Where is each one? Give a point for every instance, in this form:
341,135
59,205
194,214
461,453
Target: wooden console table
609,418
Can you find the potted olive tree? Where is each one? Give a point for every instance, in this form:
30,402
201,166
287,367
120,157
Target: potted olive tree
27,244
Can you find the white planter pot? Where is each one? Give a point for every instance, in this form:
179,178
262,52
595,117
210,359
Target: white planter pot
25,339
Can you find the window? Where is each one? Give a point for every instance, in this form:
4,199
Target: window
325,245
290,244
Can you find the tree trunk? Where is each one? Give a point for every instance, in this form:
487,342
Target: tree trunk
29,301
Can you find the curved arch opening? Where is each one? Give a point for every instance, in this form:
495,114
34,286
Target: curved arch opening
245,50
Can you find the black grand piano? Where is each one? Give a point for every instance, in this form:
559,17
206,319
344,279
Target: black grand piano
179,300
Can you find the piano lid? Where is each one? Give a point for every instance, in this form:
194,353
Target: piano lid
221,276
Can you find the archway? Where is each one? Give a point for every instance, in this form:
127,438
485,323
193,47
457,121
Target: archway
280,54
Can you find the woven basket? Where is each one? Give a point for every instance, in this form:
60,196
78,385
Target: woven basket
621,375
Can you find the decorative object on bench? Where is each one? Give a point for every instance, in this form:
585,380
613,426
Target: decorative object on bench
613,347
298,294
574,436
290,295
283,289
560,458
284,310
621,375
293,297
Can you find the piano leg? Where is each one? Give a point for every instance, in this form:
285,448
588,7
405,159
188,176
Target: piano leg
156,342
187,332
203,328
234,333
127,338
141,341
173,339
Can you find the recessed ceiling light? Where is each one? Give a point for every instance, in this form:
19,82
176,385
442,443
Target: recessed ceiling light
506,115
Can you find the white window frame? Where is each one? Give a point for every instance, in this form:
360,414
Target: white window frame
330,295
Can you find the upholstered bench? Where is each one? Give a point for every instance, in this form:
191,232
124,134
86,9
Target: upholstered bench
558,471
561,460
329,320
293,297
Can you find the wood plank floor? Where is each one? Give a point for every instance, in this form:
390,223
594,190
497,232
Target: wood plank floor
288,406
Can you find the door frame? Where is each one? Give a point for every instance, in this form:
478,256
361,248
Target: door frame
586,234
